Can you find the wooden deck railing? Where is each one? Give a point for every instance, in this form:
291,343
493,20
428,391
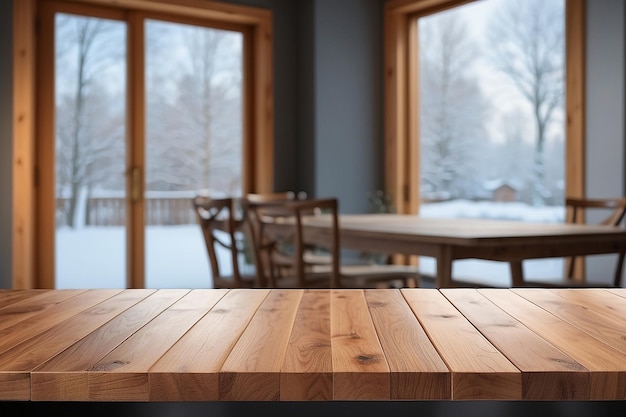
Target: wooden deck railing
111,211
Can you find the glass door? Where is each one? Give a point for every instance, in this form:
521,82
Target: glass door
147,113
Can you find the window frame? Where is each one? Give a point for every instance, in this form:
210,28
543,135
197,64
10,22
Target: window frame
33,147
401,97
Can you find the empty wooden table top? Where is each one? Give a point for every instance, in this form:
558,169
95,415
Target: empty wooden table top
313,345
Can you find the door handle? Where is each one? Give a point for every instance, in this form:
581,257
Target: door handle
136,186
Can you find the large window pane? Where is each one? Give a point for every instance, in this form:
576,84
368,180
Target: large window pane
193,142
492,132
90,97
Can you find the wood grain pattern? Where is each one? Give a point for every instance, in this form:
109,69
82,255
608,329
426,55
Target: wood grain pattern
252,369
189,371
417,370
143,348
479,370
306,373
54,313
8,297
23,142
85,339
597,312
606,366
50,333
313,345
359,365
547,374
28,303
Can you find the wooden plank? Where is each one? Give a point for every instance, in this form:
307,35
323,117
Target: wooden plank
32,303
306,373
51,316
8,297
189,370
417,370
617,291
252,369
359,365
479,370
594,311
607,367
547,373
67,375
131,360
48,334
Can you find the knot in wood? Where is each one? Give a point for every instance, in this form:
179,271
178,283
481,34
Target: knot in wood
110,366
368,359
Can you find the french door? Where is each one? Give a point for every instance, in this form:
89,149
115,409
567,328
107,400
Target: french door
137,112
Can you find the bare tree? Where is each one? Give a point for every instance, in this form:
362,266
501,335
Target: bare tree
453,111
528,46
198,136
89,121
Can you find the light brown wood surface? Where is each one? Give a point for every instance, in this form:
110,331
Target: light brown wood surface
313,345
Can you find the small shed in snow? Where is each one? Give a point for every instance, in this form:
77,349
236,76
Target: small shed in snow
502,191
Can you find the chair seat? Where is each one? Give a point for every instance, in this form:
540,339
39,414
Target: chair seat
375,275
565,283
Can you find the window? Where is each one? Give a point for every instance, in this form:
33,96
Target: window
402,97
490,81
146,105
422,121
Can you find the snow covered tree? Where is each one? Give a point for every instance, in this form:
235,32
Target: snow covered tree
195,133
453,111
89,115
528,46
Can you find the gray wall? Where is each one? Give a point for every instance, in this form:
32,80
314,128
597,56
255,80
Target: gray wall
348,100
6,143
605,136
605,98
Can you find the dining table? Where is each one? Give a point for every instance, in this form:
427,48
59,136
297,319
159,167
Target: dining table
451,239
316,345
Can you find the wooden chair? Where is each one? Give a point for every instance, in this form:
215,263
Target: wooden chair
312,255
223,230
281,255
577,211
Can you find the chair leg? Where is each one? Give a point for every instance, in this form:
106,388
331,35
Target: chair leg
617,281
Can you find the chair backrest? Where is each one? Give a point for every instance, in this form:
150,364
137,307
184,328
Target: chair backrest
284,246
613,208
222,230
612,212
